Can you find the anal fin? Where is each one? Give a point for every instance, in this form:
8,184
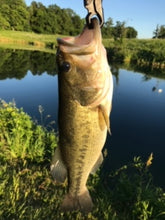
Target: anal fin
57,168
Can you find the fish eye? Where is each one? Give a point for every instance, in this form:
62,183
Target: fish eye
65,66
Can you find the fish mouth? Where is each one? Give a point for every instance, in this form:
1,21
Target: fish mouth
89,37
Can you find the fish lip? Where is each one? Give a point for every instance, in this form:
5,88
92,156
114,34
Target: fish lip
87,37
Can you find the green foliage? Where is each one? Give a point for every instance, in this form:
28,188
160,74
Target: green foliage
139,53
15,14
130,32
38,17
149,53
107,29
21,138
27,190
115,54
4,24
118,31
133,194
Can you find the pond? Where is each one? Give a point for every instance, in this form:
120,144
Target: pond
138,114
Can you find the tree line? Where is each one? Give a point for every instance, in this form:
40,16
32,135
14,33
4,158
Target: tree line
16,15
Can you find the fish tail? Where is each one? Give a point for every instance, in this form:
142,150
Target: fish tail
81,202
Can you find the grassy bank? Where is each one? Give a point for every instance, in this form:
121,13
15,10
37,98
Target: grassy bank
27,190
138,52
27,40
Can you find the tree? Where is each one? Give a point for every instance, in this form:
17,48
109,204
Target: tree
119,31
107,29
159,32
38,17
76,22
156,32
162,32
52,19
16,14
130,32
3,23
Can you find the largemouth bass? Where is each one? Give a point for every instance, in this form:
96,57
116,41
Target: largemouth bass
85,97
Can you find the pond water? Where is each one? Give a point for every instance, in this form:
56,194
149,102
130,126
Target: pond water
138,114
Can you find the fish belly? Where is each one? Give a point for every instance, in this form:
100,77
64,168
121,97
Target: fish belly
81,140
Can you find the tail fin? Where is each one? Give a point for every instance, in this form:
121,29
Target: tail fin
81,202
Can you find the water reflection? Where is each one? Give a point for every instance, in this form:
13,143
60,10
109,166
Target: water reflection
29,78
16,63
137,122
146,70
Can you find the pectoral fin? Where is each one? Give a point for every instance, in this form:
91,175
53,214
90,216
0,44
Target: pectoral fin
57,168
97,164
103,110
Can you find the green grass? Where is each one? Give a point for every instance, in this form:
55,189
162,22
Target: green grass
27,190
137,52
27,36
18,46
27,40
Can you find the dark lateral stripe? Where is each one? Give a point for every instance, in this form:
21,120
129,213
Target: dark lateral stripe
85,136
79,161
82,156
79,174
83,149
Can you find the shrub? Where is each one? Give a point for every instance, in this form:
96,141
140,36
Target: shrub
21,138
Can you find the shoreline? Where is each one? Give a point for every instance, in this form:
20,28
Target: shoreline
139,52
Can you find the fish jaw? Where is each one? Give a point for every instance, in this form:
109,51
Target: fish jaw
85,43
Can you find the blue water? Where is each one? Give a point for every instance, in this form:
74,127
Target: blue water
137,119
32,91
138,122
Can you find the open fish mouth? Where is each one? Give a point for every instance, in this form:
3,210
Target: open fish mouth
89,37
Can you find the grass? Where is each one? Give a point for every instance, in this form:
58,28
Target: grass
27,190
141,52
137,52
27,40
18,46
22,36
